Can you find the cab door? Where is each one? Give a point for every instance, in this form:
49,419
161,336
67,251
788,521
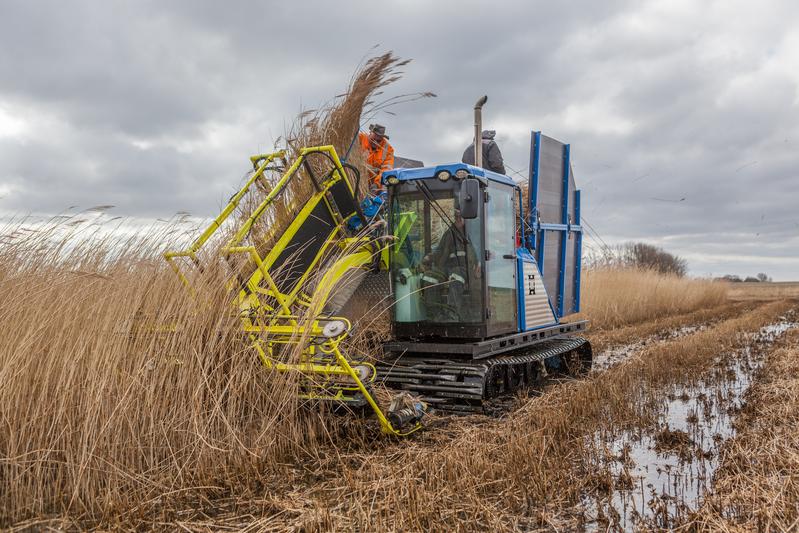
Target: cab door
500,259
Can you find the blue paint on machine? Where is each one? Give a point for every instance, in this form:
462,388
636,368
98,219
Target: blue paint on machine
564,239
409,174
550,191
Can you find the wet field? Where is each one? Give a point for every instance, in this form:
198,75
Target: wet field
659,475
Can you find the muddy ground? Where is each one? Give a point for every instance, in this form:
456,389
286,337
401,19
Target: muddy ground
660,475
652,439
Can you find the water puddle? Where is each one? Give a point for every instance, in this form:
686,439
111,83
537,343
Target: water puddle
654,478
613,356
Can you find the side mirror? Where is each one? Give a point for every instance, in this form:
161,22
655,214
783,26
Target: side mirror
470,198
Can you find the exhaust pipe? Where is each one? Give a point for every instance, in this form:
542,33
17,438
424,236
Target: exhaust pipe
478,131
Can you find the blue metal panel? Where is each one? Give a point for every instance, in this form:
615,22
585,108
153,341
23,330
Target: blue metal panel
578,253
540,251
522,318
521,218
532,186
565,235
407,174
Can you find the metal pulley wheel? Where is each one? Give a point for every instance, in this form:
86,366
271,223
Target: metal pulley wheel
334,328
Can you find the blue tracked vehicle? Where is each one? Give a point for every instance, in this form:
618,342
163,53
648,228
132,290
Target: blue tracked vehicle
478,275
486,319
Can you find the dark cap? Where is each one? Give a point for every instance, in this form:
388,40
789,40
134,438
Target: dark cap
378,129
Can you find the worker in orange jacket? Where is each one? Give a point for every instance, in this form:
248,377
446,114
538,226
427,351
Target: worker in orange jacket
379,154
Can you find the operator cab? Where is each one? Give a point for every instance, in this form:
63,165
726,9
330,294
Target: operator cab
453,263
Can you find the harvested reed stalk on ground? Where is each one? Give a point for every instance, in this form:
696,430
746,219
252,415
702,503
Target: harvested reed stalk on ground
756,487
523,472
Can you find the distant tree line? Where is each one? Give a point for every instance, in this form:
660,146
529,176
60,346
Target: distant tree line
639,255
761,277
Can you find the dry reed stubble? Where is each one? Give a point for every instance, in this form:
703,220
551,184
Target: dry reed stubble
602,339
525,471
777,290
756,487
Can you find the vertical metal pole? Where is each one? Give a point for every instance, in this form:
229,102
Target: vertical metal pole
565,232
478,131
542,241
532,187
578,252
522,236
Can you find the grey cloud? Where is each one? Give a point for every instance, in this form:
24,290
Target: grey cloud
154,106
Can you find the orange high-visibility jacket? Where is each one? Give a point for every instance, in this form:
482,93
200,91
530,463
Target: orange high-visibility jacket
379,157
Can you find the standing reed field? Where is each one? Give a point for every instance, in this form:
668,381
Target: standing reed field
115,390
618,297
116,387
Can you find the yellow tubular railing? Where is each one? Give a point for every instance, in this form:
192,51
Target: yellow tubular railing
289,174
280,326
233,203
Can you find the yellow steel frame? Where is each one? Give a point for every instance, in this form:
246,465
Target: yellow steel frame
191,251
297,319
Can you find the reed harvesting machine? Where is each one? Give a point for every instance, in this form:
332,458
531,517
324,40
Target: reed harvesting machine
477,274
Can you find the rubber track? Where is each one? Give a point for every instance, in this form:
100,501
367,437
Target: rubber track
466,386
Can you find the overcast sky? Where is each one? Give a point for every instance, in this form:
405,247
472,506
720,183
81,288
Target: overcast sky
683,116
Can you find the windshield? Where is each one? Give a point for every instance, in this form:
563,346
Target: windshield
435,259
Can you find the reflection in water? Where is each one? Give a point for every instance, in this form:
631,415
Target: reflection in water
661,475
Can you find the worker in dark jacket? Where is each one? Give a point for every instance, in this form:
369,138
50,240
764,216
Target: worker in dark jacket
455,253
492,157
450,276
